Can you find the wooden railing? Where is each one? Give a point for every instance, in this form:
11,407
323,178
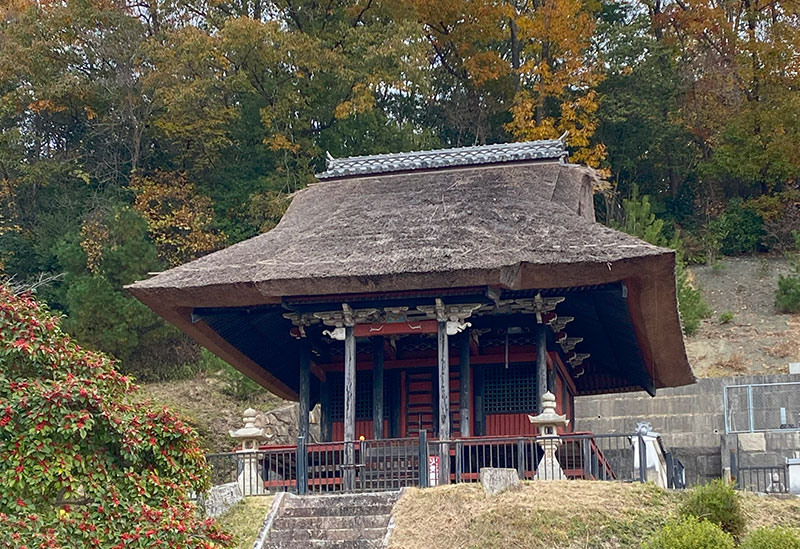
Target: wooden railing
391,464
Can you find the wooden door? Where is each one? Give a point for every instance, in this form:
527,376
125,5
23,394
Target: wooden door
420,397
422,402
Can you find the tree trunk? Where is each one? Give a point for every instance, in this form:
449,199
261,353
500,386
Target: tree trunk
515,61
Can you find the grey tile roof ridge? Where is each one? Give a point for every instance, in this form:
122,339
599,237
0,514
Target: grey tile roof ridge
554,149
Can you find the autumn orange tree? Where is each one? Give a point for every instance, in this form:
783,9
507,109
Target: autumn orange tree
530,63
82,463
179,218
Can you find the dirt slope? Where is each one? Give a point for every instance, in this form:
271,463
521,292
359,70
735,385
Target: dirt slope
756,340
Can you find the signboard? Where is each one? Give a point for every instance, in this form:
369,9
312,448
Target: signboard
433,470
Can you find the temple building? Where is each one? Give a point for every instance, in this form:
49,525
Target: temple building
441,291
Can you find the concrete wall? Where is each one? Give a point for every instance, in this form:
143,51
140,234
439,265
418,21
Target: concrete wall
691,421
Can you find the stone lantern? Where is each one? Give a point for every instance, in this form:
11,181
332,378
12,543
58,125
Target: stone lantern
249,466
548,423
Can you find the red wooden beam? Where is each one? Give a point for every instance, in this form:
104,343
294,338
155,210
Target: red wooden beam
396,328
366,363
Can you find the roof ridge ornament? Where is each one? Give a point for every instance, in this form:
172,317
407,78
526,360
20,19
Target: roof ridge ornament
554,150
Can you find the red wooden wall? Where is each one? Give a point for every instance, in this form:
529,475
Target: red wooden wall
363,428
414,383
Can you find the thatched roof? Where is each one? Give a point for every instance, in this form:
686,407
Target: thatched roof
514,226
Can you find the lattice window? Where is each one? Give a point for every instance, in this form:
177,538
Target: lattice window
509,390
363,395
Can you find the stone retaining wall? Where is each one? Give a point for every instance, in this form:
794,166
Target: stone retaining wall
280,424
691,421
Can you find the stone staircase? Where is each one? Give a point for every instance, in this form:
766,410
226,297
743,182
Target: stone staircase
355,521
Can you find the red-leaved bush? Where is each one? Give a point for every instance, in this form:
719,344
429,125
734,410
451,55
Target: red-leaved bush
82,463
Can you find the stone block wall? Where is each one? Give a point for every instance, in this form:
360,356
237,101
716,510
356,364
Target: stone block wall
691,421
281,424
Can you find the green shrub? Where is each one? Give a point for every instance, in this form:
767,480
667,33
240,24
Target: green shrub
691,305
787,297
772,538
717,502
690,533
236,384
726,317
84,462
737,230
781,214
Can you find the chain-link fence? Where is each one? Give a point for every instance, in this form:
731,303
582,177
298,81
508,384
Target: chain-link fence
762,407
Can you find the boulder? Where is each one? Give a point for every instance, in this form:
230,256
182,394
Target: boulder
496,480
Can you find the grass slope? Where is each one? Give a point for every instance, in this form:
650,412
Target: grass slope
542,514
208,405
244,520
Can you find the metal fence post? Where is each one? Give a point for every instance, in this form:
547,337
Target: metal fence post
423,458
750,411
642,459
358,472
726,410
302,466
459,461
586,457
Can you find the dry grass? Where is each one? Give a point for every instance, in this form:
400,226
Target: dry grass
539,515
245,519
771,511
732,365
784,349
567,514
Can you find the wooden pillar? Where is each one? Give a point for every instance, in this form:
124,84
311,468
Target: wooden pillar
325,411
395,390
464,379
377,388
349,407
304,389
444,404
541,364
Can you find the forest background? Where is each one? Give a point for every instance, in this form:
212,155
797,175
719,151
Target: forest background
136,135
